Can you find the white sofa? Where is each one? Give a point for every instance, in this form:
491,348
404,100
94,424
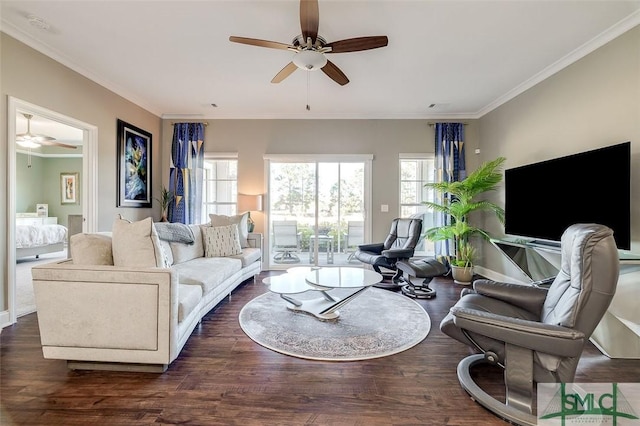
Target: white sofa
101,316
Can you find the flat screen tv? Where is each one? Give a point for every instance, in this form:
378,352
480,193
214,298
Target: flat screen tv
543,199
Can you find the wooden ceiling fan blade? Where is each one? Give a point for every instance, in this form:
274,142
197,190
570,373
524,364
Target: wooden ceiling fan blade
357,44
55,143
334,73
309,19
284,72
261,43
44,138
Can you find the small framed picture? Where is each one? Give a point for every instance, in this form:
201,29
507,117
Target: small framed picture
134,166
69,189
42,210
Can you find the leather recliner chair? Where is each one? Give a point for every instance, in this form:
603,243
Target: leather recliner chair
399,245
536,334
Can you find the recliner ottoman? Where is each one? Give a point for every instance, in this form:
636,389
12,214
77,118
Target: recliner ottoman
426,268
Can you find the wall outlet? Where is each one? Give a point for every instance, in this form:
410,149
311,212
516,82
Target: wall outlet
384,208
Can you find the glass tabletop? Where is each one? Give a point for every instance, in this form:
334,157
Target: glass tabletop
290,282
343,277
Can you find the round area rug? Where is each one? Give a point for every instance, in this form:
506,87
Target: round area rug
375,324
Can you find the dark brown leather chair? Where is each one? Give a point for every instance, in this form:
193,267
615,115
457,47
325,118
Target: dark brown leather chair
399,245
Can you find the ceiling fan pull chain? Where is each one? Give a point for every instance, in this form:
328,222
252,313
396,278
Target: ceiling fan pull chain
308,91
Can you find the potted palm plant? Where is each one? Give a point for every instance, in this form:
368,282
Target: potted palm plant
461,201
166,197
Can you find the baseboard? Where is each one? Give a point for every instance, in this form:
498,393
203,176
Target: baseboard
5,319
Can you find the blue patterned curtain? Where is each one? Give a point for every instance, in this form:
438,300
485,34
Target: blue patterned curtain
186,173
450,167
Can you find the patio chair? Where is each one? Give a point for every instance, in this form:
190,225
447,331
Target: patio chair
355,238
286,241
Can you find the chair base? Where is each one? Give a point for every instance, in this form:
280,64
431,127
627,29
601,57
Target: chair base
387,285
352,258
418,291
286,257
487,401
390,280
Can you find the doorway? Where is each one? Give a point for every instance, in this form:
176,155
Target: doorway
317,209
18,111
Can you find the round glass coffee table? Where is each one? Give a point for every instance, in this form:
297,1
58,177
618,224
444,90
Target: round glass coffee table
322,280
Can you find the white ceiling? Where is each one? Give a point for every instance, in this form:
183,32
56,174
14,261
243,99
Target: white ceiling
174,58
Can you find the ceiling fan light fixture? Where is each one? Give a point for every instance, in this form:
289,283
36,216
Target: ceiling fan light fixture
28,143
309,60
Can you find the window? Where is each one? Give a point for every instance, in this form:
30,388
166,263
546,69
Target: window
415,171
220,188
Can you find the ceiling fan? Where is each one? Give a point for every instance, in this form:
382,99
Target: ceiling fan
30,140
310,48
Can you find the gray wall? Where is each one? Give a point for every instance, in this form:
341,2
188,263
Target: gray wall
385,139
35,78
595,102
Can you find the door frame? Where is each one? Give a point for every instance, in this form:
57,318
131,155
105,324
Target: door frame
367,159
89,185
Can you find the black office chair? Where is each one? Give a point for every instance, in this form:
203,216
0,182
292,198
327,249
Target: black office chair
399,245
536,334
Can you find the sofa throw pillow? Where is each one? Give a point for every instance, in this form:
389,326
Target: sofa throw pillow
241,220
136,244
174,232
90,249
221,241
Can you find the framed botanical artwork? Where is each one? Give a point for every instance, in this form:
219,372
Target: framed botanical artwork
69,189
134,166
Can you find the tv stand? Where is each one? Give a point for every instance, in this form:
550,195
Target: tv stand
534,262
618,334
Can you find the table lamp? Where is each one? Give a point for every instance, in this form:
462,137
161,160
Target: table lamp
249,203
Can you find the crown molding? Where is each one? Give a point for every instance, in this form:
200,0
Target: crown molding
598,41
18,34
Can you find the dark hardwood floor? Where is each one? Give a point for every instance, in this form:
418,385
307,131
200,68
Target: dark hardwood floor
223,378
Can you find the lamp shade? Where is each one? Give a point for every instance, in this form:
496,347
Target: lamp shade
249,203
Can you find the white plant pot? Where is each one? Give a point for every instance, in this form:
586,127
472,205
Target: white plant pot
462,274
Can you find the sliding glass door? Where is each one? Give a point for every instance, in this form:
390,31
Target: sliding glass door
316,209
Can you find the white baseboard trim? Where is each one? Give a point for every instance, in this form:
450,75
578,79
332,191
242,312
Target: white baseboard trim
496,276
4,319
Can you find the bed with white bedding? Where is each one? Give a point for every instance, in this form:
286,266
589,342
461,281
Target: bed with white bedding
34,240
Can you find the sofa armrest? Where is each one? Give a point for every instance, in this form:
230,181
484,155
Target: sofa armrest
107,313
254,240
